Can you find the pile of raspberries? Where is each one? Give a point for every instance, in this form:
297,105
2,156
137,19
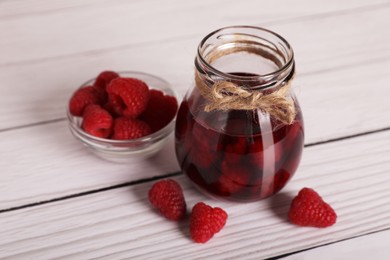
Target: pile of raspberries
121,108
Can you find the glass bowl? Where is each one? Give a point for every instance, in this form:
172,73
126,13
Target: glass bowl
123,151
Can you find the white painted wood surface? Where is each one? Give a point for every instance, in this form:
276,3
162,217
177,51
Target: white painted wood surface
372,246
327,74
48,48
120,223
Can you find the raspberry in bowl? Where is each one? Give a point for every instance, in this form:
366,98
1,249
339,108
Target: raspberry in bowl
124,115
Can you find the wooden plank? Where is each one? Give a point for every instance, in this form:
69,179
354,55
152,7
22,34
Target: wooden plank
372,246
15,9
79,27
48,163
12,9
352,175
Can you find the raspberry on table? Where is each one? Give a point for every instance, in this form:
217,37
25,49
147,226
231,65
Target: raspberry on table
104,78
167,197
206,221
97,121
160,111
309,209
129,128
84,97
132,95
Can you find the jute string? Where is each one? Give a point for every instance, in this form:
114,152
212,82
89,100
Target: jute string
225,95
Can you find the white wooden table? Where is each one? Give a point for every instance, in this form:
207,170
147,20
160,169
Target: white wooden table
57,200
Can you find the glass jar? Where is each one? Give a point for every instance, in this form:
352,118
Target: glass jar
239,132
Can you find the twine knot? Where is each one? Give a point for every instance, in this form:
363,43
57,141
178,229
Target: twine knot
224,95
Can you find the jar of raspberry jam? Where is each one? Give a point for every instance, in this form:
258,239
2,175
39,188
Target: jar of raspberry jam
239,132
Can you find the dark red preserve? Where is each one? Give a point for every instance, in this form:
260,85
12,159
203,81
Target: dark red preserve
240,154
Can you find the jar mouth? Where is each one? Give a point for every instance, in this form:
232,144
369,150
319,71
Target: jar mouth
256,40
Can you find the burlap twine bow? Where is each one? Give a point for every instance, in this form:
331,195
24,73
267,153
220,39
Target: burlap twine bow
225,95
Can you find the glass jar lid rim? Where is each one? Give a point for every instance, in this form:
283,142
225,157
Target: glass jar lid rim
289,62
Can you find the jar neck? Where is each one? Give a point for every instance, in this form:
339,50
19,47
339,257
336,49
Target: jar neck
250,57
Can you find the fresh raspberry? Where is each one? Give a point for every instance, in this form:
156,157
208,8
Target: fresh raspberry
104,78
167,197
308,209
206,221
160,111
129,128
97,121
82,98
131,94
115,105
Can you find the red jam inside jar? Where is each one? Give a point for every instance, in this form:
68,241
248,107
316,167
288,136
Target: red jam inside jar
247,164
238,155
